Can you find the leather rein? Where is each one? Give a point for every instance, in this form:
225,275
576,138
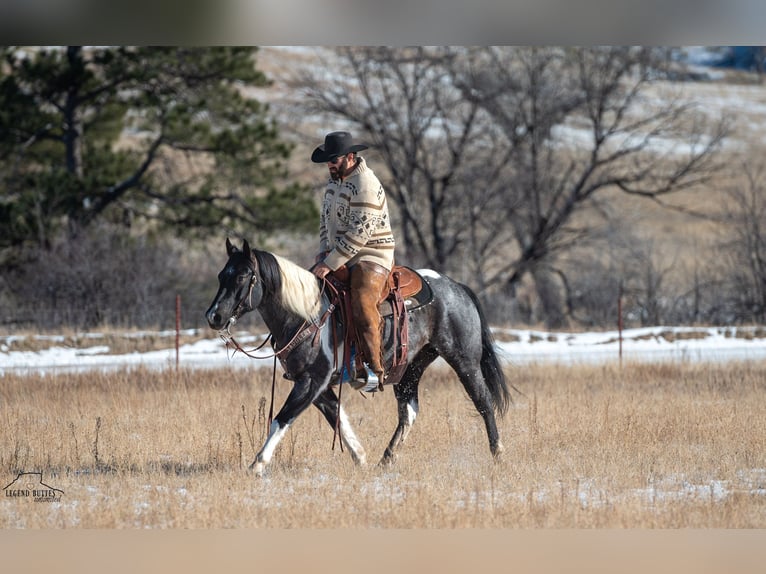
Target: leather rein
306,330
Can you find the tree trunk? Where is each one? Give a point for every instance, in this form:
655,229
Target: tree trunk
552,299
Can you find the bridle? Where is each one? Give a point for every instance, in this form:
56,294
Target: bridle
308,329
244,305
305,331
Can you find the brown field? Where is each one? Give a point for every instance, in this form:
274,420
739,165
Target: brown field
645,446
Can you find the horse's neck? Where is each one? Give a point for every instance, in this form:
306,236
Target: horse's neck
284,308
281,322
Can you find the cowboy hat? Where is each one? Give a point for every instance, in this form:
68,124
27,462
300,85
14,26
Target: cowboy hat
335,145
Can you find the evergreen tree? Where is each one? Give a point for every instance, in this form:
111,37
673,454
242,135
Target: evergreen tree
161,135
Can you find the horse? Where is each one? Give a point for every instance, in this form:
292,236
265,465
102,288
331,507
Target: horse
288,297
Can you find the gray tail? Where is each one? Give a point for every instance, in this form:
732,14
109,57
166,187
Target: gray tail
490,365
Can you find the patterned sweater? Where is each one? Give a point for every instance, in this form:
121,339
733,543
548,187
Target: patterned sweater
354,224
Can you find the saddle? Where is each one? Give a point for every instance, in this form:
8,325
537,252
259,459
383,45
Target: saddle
406,281
403,283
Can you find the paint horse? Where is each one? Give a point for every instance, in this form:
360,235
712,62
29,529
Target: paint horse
451,326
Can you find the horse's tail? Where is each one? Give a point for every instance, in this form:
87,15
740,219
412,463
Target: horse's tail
490,365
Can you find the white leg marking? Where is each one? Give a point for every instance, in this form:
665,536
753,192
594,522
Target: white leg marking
349,438
275,435
412,414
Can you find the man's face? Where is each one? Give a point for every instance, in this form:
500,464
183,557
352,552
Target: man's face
338,166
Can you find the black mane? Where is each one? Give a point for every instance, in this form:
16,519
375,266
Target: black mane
268,269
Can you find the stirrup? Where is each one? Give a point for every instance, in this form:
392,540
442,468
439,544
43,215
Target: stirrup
368,382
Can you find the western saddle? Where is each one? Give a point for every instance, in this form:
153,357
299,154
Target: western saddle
402,283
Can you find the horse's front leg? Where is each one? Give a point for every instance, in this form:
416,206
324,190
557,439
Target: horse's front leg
304,392
327,403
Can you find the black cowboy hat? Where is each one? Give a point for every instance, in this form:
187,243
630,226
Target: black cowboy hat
335,145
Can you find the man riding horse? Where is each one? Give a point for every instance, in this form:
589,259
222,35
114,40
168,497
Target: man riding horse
355,232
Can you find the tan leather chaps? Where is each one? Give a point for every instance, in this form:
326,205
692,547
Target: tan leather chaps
367,282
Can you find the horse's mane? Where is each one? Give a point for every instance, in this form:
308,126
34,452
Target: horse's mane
297,288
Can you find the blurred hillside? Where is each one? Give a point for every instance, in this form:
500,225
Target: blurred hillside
690,257
679,238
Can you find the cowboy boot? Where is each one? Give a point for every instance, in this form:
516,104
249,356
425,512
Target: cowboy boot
367,283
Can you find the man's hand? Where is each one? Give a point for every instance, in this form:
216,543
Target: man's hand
320,270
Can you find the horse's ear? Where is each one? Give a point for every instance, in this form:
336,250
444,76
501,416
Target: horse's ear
246,249
229,247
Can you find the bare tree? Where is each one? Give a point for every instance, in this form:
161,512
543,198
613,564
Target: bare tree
597,99
433,142
744,246
497,155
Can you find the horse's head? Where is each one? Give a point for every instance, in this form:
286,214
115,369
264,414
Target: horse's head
239,289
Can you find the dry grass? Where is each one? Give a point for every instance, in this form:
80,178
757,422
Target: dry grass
663,446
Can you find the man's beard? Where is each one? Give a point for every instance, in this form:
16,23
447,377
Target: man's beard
338,171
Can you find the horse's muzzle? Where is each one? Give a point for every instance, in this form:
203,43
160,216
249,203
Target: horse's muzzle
214,318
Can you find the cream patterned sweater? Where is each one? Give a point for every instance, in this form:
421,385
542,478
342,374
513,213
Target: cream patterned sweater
354,223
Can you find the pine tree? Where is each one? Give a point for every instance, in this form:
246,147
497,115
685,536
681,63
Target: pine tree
164,136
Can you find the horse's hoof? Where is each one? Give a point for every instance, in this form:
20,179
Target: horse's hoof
387,461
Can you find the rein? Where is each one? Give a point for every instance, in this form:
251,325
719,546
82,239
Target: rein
306,330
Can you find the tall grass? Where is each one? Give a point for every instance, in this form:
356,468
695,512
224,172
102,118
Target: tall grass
645,446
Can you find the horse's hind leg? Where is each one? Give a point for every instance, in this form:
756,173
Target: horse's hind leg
327,403
406,393
473,381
